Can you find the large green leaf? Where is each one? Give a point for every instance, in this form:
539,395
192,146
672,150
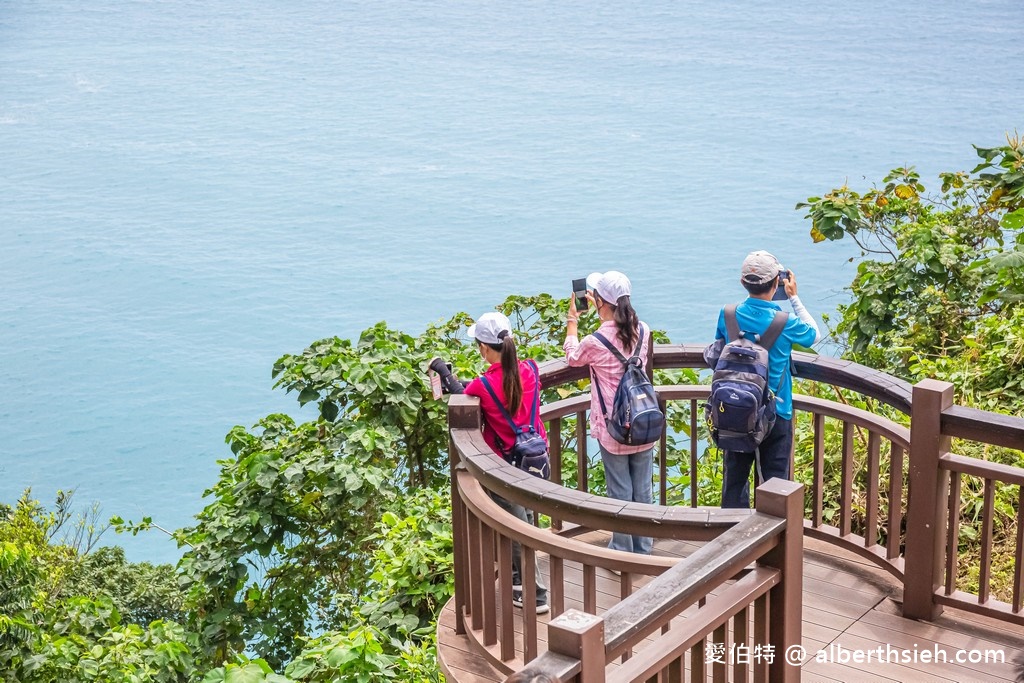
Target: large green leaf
308,394
249,673
1007,259
1013,220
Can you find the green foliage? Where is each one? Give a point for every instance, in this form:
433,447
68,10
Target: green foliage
30,527
413,569
357,655
279,537
936,274
372,397
86,641
360,655
539,324
245,671
19,577
57,622
141,592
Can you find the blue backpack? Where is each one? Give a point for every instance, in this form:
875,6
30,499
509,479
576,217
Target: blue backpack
741,408
529,452
635,418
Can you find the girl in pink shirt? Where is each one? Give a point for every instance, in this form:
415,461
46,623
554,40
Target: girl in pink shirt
628,469
516,383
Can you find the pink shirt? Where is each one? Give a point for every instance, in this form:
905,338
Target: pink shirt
497,432
607,370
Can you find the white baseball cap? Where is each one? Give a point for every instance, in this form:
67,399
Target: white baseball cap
760,267
488,328
611,285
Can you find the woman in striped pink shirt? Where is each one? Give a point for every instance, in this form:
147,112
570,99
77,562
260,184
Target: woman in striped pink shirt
628,470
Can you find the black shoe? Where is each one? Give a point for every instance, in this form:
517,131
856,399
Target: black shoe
517,600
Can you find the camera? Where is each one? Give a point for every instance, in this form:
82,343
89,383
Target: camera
442,379
780,293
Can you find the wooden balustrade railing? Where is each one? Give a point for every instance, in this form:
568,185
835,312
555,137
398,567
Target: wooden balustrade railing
581,645
906,484
934,514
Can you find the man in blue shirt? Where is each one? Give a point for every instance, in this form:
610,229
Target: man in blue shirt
761,275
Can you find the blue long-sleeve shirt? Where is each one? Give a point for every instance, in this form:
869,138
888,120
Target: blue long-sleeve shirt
753,317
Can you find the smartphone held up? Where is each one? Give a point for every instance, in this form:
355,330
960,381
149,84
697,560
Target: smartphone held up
579,291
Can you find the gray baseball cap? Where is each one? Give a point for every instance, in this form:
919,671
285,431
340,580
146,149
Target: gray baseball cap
760,267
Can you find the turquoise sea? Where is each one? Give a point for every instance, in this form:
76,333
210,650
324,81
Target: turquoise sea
190,189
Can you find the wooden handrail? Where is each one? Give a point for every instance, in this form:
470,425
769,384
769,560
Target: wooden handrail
585,509
984,469
695,576
477,500
979,425
834,371
582,645
714,614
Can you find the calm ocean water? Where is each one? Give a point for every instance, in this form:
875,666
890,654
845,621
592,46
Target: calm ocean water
189,190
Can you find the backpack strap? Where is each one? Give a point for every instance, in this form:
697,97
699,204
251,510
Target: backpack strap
504,410
533,408
622,359
732,328
501,406
593,378
771,335
601,338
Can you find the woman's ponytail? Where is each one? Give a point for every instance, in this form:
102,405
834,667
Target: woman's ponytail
627,323
513,383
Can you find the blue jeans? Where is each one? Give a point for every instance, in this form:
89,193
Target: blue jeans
628,477
773,461
517,550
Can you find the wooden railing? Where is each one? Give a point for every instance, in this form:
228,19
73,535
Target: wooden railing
934,509
906,483
582,646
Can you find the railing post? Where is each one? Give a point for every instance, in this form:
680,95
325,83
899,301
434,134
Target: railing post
782,498
927,500
580,635
463,412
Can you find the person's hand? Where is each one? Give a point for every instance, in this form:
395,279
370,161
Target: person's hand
790,284
573,315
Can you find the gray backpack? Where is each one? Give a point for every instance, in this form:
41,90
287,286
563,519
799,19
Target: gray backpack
741,409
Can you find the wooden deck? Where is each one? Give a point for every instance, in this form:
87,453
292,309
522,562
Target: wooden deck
848,605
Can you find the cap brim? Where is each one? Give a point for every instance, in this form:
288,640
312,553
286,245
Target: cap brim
471,333
593,279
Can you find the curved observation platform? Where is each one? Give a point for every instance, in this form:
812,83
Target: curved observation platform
866,555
